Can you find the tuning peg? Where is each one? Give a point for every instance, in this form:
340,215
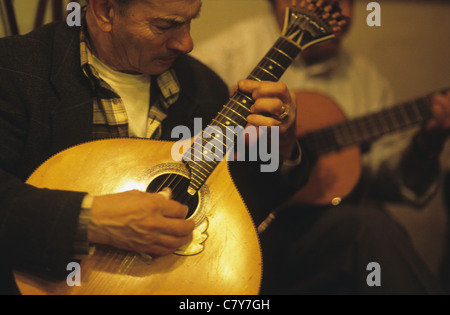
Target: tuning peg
327,8
335,15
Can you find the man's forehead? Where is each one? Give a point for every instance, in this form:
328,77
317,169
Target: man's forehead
174,7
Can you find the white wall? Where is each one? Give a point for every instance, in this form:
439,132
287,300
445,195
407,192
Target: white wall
411,48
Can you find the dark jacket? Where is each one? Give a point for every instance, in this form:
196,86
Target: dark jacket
45,107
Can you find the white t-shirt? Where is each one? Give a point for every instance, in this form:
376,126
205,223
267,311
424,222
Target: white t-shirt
134,90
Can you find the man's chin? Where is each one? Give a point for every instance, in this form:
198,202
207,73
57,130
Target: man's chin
159,66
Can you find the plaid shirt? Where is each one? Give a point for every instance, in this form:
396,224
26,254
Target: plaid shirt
110,117
111,121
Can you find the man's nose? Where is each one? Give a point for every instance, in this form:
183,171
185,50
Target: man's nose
182,40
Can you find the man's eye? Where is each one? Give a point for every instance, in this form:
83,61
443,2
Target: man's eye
164,27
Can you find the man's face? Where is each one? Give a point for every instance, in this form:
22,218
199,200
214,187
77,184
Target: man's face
150,34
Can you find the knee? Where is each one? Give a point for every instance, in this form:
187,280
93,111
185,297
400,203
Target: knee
362,222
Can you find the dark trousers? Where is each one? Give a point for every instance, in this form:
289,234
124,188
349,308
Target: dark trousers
328,251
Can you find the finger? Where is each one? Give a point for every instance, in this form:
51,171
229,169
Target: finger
166,193
272,106
260,89
163,245
174,209
260,121
177,227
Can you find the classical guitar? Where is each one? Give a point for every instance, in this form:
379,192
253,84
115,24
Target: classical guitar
335,141
224,256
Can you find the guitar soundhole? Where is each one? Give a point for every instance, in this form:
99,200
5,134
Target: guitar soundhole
179,185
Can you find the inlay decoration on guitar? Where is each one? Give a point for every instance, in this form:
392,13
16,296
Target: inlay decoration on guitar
223,255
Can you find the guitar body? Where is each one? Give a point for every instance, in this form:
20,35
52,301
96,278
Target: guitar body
225,260
334,175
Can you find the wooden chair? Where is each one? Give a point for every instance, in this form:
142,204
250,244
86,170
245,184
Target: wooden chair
58,13
11,17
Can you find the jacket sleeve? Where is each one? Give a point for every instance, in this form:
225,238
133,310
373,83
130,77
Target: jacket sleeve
37,226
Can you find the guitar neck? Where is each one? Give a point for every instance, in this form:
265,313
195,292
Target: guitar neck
219,136
368,128
306,24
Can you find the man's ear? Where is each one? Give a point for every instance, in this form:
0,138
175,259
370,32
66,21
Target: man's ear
103,12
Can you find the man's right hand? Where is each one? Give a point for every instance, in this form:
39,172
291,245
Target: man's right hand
138,221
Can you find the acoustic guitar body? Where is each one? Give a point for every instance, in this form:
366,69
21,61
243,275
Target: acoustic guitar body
335,174
223,258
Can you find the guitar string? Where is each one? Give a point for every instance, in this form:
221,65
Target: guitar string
173,181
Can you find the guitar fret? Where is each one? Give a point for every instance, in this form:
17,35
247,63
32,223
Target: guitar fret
251,76
219,122
382,124
197,181
199,177
219,158
365,134
355,131
241,105
416,111
339,136
269,73
229,108
228,118
204,174
391,115
231,140
275,63
216,140
406,118
199,165
274,68
369,128
203,155
197,158
348,135
283,53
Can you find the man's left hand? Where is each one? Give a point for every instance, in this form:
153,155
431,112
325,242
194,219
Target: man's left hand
274,105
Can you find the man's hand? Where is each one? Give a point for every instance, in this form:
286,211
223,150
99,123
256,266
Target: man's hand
430,140
441,110
420,161
141,222
274,105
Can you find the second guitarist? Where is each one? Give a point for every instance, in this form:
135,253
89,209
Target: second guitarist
327,250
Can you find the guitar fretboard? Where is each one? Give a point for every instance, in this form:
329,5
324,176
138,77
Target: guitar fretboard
206,152
368,128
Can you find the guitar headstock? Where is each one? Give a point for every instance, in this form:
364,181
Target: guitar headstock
310,22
